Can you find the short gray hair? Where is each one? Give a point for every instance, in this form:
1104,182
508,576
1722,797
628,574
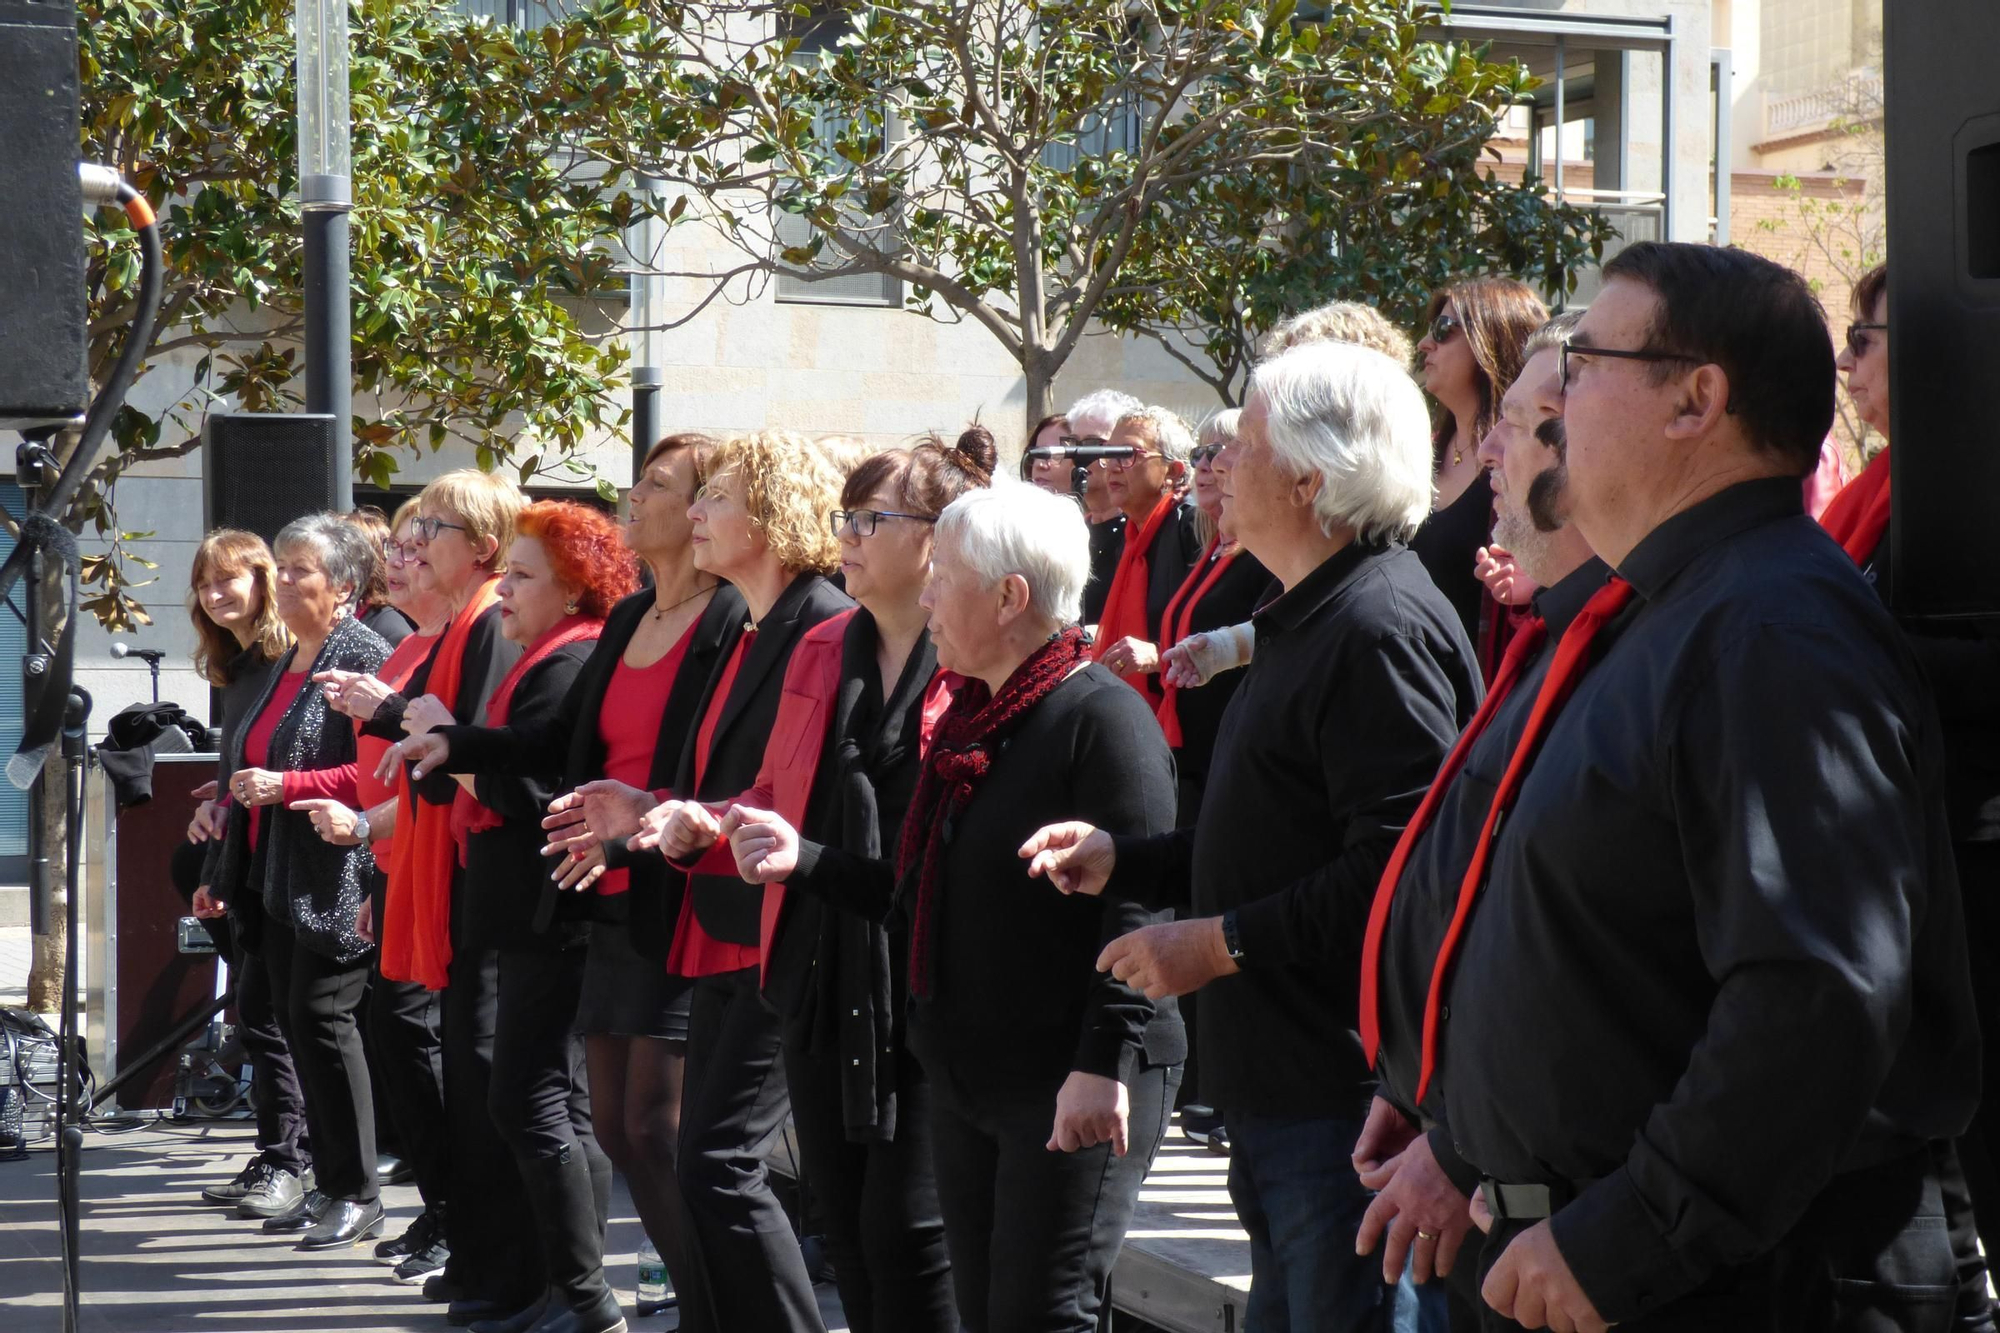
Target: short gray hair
1221,427
1170,434
1105,405
1356,418
1550,336
344,551
1012,527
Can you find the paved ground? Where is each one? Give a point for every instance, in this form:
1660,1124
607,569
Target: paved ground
158,1261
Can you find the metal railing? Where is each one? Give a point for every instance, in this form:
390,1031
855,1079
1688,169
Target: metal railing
1805,112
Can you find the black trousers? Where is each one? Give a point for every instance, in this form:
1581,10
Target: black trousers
316,999
282,1140
1979,1146
406,1055
1871,1255
877,1201
1034,1233
493,1251
751,1275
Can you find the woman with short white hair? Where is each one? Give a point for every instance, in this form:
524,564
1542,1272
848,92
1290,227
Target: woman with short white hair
1053,1082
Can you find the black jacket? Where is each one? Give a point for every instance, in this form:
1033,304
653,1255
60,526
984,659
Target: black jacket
727,908
1243,587
568,741
510,900
488,657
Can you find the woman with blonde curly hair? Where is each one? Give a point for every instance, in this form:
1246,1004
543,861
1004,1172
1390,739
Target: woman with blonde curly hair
760,523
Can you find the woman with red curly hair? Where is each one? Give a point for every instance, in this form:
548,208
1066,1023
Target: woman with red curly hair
566,568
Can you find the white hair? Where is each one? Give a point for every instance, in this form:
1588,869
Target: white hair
1012,527
1171,435
1220,428
1357,419
1103,406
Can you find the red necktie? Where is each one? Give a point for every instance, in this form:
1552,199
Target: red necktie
1519,648
1572,659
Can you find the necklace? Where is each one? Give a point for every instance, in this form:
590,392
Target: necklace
659,611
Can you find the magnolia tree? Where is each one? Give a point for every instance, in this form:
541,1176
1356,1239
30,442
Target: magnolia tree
1186,169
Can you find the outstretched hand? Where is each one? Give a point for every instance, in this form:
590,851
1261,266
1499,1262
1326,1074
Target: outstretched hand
766,847
1075,857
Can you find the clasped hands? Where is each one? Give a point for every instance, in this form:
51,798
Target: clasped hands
580,822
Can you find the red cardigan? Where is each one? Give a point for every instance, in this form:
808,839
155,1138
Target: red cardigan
792,754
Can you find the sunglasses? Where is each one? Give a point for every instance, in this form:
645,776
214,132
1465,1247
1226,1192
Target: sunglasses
1858,341
1443,327
862,521
1205,453
1569,349
428,528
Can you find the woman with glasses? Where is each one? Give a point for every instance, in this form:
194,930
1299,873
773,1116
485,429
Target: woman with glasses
350,806
1162,539
759,523
1051,474
1468,358
377,609
625,722
861,694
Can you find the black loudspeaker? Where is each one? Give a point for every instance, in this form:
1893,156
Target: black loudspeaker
42,375
1942,115
261,470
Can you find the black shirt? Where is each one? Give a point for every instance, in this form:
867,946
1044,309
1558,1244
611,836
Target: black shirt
1361,680
1448,543
1719,957
1017,1001
1107,543
1176,546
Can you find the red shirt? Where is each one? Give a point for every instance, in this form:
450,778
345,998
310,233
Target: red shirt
257,743
695,952
628,722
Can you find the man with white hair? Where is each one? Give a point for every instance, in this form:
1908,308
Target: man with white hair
1091,419
1362,678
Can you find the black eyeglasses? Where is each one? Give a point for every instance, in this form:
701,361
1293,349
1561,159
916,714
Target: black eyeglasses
1858,339
428,528
1083,441
1568,349
863,521
1443,327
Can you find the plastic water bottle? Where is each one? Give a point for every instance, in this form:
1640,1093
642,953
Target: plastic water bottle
653,1294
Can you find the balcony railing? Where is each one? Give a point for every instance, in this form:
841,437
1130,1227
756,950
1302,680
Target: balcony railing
516,13
1858,97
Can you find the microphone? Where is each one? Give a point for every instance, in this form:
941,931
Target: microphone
150,656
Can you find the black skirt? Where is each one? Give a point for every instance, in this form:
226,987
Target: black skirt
626,994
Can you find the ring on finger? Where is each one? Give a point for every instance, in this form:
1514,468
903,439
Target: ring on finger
1426,1235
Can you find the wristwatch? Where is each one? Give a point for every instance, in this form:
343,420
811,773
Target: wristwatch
1231,945
361,828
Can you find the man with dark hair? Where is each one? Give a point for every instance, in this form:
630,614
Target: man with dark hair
1702,1002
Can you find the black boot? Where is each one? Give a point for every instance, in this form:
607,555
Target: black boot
565,1208
520,1322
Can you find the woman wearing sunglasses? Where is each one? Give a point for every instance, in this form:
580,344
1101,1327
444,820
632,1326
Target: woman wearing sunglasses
862,693
1467,360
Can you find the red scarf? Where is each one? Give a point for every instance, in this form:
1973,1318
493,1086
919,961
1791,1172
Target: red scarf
1572,659
1125,603
468,816
960,756
1174,626
416,916
1859,515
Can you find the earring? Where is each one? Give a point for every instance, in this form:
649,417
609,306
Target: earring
569,608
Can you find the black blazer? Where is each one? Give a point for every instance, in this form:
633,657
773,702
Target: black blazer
510,900
487,659
567,741
728,909
1176,546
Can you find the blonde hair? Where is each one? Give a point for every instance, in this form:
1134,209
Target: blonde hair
846,453
232,551
1340,321
487,505
789,484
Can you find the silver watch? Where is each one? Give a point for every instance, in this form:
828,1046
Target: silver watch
361,828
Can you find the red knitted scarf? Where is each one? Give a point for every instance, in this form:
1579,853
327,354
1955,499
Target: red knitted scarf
960,755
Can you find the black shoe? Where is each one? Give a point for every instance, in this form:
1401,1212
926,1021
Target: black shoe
477,1310
302,1216
393,1170
1218,1140
519,1322
423,1229
602,1316
233,1189
424,1265
273,1192
442,1288
347,1222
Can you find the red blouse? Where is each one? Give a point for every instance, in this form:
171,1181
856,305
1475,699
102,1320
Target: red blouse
257,742
628,722
695,952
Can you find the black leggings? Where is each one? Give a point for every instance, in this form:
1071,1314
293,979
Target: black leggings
316,999
879,1201
635,1099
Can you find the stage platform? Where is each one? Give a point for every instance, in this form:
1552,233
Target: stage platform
1186,1263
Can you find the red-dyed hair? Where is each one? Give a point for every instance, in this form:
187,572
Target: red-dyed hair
585,550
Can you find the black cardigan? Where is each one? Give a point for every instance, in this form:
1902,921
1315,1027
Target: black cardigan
510,900
726,908
244,687
568,741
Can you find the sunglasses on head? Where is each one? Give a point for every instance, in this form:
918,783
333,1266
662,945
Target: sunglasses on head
1858,340
1443,327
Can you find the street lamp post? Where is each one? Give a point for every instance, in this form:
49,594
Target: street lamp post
326,193
646,376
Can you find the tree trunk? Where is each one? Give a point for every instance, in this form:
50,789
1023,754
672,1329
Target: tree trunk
45,965
1041,388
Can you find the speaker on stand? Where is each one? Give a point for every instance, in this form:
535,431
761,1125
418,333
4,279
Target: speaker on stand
261,470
